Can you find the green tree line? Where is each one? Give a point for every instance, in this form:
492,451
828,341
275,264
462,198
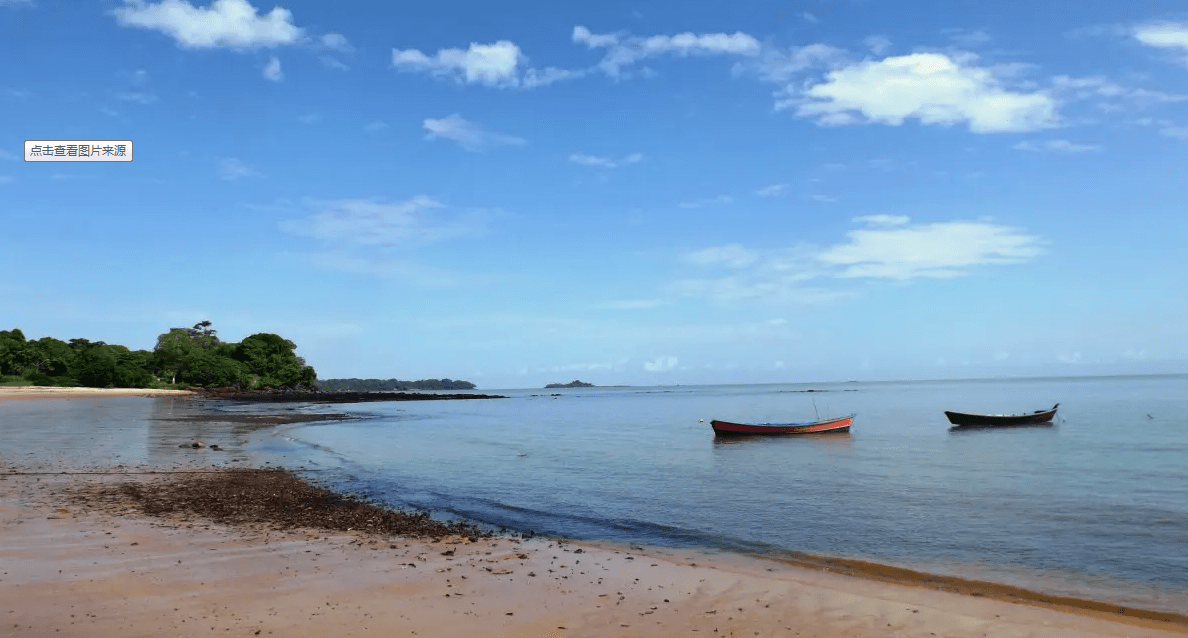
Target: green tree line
390,385
183,356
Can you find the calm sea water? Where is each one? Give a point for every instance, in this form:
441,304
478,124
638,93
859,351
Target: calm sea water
1095,505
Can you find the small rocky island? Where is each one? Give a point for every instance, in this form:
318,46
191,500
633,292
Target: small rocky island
572,384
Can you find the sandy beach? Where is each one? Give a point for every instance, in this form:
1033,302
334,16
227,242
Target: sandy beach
79,557
45,392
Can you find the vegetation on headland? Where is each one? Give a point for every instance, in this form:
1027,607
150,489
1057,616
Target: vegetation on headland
572,384
182,357
390,385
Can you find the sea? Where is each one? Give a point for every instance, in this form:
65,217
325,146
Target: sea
1094,505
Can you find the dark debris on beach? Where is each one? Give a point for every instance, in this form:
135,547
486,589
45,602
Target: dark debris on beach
272,497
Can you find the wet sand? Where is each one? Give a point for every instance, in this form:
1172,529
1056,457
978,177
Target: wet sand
43,392
204,553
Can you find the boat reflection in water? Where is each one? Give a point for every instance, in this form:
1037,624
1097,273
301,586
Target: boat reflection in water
837,439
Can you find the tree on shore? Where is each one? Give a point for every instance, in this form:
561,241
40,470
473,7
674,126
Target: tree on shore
175,352
193,356
272,360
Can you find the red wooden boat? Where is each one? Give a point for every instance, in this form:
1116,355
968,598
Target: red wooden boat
726,428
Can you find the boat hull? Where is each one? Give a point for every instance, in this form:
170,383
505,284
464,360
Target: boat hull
726,428
1038,417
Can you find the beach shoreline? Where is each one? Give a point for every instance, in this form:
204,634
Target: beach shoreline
116,570
14,392
231,394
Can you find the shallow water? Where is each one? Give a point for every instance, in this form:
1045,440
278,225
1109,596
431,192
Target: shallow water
1095,505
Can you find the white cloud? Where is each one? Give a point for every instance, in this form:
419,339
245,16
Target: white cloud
878,44
497,64
376,127
226,23
272,71
936,250
1178,132
375,223
334,63
809,17
1084,88
467,134
7,155
490,64
889,247
1165,35
605,162
730,255
1168,128
625,51
883,220
232,169
1056,146
930,87
772,190
775,65
661,364
6,179
533,78
309,119
337,42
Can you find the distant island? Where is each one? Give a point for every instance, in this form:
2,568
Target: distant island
572,384
390,385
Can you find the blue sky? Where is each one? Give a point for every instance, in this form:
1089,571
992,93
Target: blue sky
625,193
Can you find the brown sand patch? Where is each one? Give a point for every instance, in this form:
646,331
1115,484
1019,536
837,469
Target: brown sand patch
274,498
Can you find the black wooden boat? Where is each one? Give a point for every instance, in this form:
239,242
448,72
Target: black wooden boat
991,420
